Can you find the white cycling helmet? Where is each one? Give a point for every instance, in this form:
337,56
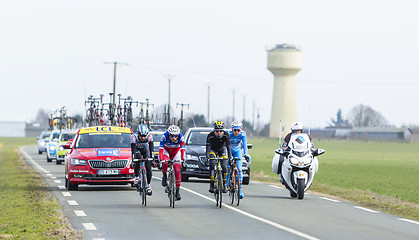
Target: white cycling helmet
173,130
236,124
297,126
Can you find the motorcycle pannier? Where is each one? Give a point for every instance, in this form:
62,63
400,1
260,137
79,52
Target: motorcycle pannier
275,164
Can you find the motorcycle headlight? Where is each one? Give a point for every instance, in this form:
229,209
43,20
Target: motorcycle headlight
78,162
191,157
294,160
52,148
307,160
61,148
42,143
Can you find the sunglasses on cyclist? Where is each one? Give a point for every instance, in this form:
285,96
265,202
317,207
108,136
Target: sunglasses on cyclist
143,135
218,131
236,130
174,136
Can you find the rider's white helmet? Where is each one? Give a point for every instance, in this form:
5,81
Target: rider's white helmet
297,126
236,124
173,130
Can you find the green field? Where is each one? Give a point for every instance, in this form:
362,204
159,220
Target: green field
377,175
28,211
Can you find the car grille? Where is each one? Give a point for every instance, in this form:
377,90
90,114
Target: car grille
203,159
104,164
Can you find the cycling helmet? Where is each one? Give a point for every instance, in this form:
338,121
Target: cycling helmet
236,125
143,130
173,130
297,126
218,125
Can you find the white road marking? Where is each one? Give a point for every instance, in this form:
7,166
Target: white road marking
80,213
89,226
276,186
53,177
329,199
49,174
366,209
66,194
72,202
279,226
408,220
57,181
61,187
32,161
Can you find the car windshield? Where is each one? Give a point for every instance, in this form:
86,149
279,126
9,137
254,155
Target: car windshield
55,135
197,138
157,137
115,140
67,136
45,135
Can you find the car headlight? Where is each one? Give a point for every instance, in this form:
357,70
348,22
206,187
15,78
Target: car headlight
52,148
191,157
77,162
61,148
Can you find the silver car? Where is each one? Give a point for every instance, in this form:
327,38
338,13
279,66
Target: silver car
42,144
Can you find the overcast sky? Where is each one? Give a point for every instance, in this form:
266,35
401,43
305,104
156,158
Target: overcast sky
52,54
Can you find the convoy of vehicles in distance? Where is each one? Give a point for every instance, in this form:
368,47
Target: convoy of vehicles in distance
42,143
196,164
51,146
157,135
99,155
64,137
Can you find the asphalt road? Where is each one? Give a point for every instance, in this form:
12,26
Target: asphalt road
266,212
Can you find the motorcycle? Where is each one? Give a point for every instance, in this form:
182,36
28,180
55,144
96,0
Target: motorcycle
299,166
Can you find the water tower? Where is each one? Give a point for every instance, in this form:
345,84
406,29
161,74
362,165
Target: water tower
284,61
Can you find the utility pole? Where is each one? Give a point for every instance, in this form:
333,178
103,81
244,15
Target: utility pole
114,77
234,99
169,77
244,107
208,112
253,121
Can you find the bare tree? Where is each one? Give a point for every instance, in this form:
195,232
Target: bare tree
42,117
364,116
340,121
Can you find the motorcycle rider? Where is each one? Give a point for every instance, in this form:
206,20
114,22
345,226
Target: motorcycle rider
142,147
218,145
238,140
296,127
172,146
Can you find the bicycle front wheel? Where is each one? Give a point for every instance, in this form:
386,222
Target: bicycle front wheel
237,187
172,186
231,187
144,187
220,188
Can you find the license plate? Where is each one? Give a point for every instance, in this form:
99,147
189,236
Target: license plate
107,172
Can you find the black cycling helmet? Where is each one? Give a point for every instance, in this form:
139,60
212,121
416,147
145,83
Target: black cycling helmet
218,125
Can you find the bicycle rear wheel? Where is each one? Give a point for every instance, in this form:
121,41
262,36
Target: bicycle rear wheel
237,187
144,187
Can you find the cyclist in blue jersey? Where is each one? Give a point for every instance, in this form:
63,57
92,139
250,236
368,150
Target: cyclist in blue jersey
238,140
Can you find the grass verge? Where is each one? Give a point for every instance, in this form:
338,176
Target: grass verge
379,176
28,211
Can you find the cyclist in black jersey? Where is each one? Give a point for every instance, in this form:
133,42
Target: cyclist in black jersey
218,145
142,146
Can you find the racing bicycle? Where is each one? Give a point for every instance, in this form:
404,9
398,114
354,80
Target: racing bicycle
218,182
171,187
142,187
234,183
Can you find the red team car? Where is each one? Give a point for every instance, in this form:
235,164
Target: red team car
99,155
